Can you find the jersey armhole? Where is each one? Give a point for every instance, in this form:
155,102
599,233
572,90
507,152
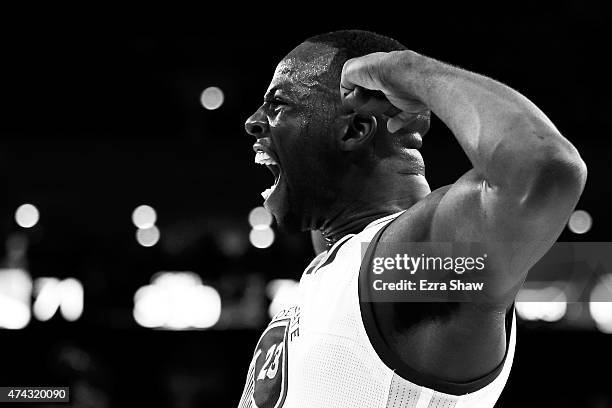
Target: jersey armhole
393,362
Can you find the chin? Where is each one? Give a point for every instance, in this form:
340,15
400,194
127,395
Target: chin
286,220
279,205
290,223
286,217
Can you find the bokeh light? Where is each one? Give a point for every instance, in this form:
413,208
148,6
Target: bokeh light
15,295
147,237
580,222
14,314
602,315
261,237
177,301
48,298
212,98
27,216
53,294
259,217
600,305
232,242
144,216
282,293
548,304
71,305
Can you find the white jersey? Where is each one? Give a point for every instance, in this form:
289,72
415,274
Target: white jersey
319,352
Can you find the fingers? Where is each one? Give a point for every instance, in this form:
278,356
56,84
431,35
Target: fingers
361,72
399,121
348,87
361,91
354,98
410,140
368,102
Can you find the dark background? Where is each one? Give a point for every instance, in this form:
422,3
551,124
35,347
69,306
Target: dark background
100,115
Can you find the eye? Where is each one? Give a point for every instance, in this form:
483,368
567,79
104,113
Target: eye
277,102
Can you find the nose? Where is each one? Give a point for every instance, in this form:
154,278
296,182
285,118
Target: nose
256,125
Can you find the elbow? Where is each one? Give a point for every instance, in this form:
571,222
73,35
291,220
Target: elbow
534,158
559,177
562,165
579,172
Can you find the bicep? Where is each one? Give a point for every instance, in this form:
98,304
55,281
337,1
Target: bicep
518,226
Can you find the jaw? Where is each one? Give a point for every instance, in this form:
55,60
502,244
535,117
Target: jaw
287,208
275,199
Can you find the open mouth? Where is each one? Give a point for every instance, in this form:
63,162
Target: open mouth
264,158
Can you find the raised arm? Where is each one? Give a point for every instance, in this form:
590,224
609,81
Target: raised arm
526,177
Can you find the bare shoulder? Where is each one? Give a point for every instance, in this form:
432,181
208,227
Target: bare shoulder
439,339
414,224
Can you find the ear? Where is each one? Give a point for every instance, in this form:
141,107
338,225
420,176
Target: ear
358,131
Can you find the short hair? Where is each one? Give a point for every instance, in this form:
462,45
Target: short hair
356,43
352,44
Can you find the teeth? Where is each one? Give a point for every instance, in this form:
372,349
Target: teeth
267,192
264,158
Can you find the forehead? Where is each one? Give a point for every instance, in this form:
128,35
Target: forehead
304,69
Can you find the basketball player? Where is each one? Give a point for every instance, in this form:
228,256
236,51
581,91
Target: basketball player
340,128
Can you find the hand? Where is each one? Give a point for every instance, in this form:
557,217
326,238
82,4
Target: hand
365,89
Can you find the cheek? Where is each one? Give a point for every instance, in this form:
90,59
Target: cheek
288,142
305,143
277,121
318,136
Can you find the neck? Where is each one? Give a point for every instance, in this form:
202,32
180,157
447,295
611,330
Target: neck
352,215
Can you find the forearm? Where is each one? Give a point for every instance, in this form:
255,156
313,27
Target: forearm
505,136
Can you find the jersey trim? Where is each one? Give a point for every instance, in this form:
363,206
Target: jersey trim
390,359
328,256
334,251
